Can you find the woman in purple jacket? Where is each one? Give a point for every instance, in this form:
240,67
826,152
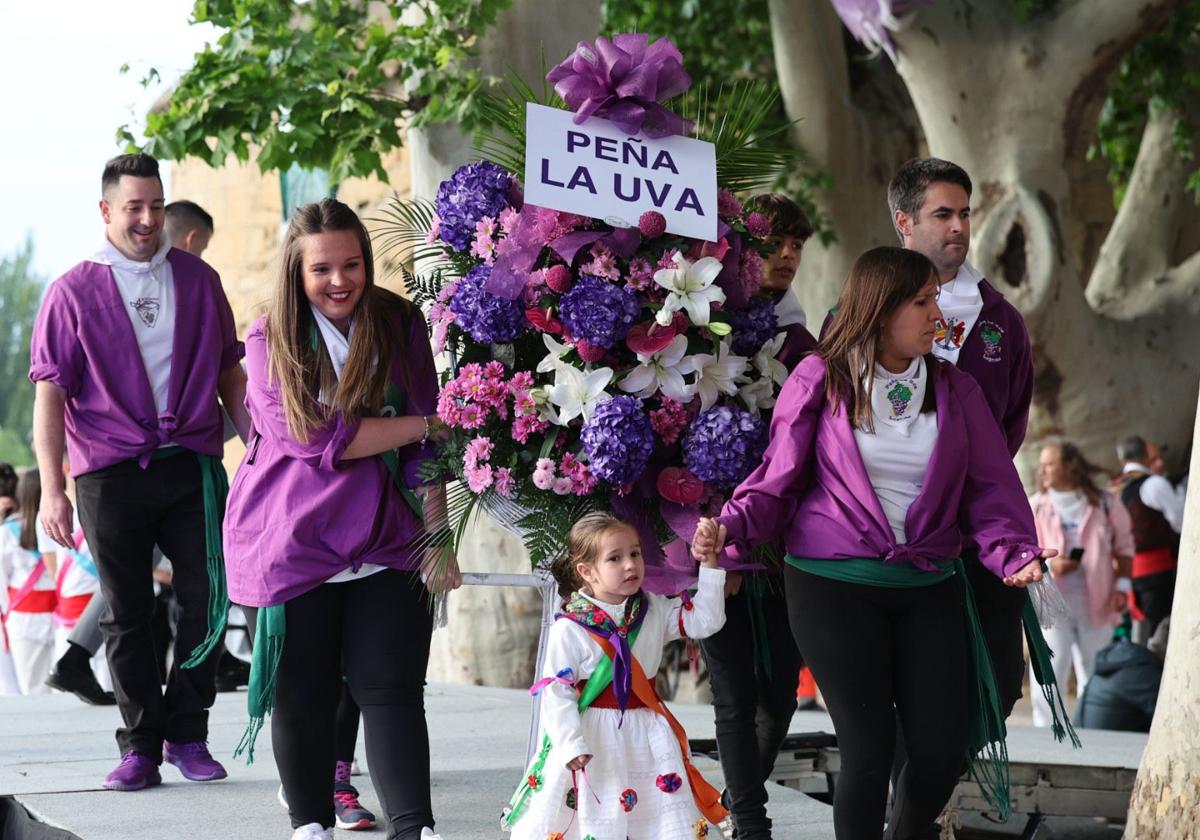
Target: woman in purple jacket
324,522
881,459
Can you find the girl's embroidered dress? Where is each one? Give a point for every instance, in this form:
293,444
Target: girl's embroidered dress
639,783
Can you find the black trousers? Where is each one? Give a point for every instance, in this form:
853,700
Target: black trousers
346,725
125,511
1155,593
1000,608
879,655
752,706
376,632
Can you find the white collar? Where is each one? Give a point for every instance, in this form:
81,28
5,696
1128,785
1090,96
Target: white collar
1135,467
966,282
337,344
108,255
788,310
615,611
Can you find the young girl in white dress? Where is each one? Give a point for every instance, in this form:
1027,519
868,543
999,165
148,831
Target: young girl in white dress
613,762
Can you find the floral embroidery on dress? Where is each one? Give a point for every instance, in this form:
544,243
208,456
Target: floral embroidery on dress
669,782
629,799
701,829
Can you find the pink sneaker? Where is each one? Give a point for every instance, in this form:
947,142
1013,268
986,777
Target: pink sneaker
193,761
135,772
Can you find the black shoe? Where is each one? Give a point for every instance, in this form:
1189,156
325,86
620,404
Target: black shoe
232,673
79,681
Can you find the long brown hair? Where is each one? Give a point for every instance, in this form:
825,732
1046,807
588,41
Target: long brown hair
1079,470
305,371
583,546
879,282
29,498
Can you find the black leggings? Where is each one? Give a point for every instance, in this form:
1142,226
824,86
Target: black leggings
346,725
752,705
878,654
376,631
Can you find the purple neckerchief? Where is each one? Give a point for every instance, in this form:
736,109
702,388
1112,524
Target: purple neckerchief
588,615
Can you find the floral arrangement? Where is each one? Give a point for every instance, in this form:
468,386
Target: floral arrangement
595,366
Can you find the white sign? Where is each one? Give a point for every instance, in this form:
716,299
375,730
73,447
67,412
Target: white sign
596,169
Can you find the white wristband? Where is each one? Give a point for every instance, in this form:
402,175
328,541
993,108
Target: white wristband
1124,584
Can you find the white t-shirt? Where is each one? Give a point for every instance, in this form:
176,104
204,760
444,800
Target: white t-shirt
148,291
961,302
788,310
1071,506
897,454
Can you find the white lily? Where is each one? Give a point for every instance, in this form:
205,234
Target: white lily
554,358
765,363
689,287
578,392
661,371
757,395
716,374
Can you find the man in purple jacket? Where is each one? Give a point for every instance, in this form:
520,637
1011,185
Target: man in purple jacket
985,336
131,390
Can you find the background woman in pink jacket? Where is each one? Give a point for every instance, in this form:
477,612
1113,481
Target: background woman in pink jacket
1091,531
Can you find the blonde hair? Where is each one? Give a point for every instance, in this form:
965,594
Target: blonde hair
583,548
301,366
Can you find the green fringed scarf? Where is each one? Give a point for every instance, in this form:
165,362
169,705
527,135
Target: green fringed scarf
1043,673
216,490
987,754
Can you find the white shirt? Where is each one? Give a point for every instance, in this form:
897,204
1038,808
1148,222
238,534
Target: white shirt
961,302
148,291
16,564
1071,506
896,455
788,310
1158,493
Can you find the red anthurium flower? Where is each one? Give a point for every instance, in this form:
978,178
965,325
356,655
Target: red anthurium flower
589,352
675,484
649,337
543,320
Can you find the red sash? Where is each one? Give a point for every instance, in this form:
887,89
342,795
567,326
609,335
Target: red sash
33,601
708,798
69,608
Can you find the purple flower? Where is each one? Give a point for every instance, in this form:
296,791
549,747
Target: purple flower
753,326
618,440
598,312
723,445
487,318
624,80
471,193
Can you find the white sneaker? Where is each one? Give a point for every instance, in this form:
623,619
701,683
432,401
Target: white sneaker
427,834
312,831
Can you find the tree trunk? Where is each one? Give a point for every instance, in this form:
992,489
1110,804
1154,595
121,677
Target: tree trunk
491,637
1166,797
970,71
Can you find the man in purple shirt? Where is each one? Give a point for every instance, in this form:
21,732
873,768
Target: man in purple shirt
985,336
131,391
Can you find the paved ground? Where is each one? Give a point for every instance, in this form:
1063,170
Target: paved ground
54,751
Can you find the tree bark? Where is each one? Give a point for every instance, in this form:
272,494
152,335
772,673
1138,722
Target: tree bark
491,637
1166,796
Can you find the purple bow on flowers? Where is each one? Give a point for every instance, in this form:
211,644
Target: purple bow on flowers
624,80
596,621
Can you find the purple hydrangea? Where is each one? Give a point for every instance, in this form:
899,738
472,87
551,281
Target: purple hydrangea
753,326
599,312
472,192
618,440
487,318
723,445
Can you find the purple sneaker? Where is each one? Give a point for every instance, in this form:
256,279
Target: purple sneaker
135,772
193,761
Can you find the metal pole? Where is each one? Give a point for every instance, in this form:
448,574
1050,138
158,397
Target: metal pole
549,589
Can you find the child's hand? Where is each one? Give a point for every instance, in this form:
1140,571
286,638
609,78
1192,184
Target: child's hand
578,762
708,542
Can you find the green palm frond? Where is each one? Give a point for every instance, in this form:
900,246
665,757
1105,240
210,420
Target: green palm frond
545,527
399,230
751,153
501,139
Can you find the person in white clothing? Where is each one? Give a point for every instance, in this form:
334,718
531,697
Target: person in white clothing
1090,529
27,596
613,762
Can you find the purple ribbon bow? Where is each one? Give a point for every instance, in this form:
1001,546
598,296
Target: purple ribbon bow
624,80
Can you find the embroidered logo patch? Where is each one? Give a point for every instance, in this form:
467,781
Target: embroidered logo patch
147,310
949,335
572,801
992,335
628,799
899,396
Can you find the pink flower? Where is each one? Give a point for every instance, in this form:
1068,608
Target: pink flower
758,224
522,380
435,231
641,274
669,421
603,264
546,464
543,479
504,482
508,218
479,449
558,278
589,352
563,486
675,484
472,416
727,203
652,224
750,272
667,260
479,479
